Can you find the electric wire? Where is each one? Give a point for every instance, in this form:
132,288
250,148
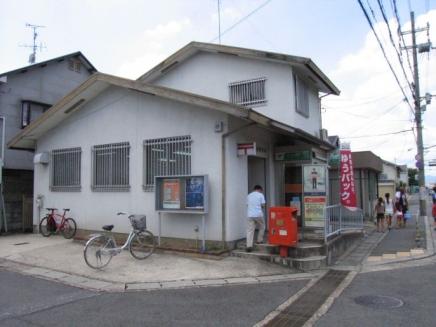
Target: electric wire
369,123
383,12
374,135
242,19
400,33
384,52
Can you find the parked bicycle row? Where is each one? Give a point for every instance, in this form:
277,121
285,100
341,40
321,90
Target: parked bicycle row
101,247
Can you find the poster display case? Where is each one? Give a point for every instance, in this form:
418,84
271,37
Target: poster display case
182,194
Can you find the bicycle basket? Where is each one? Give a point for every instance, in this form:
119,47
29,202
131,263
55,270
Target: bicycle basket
138,222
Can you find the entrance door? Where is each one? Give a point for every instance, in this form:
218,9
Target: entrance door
257,176
256,173
294,188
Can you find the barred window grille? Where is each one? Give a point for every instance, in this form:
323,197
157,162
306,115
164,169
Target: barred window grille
301,96
65,169
110,167
168,156
250,92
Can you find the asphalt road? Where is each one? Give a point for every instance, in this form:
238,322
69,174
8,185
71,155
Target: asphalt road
29,301
414,287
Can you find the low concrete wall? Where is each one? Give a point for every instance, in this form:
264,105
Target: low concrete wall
340,244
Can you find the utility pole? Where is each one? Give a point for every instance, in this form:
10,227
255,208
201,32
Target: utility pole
418,112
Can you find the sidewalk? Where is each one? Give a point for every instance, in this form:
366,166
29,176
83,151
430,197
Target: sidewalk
62,260
404,243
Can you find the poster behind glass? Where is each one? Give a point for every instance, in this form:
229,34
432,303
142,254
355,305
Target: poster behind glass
194,193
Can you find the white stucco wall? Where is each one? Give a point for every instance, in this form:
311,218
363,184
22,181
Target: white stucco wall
390,171
209,74
119,115
236,176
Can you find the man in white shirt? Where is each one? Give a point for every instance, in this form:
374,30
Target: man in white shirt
255,206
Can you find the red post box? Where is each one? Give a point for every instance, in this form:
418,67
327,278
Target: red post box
283,228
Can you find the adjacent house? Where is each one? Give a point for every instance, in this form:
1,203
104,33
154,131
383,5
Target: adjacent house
110,138
25,94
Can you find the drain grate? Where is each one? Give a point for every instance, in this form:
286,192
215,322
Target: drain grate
23,243
307,304
379,301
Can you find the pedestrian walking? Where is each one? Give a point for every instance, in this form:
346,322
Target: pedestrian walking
255,206
401,199
380,214
398,213
389,207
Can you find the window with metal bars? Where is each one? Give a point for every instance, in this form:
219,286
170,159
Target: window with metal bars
168,156
65,170
301,96
110,167
250,92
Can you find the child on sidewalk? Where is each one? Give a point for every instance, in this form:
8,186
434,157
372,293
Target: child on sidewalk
380,212
389,210
399,215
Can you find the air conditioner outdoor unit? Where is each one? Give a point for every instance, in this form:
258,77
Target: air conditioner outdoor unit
324,134
41,158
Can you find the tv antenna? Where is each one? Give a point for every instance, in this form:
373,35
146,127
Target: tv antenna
34,46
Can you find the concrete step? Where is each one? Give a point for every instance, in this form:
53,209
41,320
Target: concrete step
256,255
309,263
307,249
267,248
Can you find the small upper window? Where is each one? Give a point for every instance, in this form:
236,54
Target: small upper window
301,96
250,92
74,65
31,110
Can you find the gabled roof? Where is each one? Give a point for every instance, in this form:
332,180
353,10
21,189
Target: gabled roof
303,66
91,69
99,82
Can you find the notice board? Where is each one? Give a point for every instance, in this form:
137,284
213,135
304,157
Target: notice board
187,193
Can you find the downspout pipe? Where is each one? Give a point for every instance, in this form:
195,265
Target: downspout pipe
223,179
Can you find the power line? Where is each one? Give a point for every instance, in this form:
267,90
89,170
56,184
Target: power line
242,19
373,135
401,36
383,12
384,52
378,117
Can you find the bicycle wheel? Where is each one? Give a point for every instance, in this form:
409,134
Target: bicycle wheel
96,252
69,228
142,245
45,227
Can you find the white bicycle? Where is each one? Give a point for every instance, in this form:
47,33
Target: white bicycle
101,247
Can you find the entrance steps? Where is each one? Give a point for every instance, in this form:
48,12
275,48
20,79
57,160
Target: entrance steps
307,255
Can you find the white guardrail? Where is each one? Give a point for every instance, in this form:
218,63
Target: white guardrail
339,218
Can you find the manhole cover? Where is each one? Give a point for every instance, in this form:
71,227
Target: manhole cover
379,301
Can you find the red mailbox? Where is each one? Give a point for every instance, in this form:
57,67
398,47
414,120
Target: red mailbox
283,228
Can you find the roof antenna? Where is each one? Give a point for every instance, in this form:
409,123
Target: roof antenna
219,21
32,57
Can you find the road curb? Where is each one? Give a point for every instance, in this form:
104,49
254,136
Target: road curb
100,285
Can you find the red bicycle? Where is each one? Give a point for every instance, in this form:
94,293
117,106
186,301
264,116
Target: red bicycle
54,223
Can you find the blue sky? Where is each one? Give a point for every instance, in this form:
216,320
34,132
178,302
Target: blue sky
127,38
